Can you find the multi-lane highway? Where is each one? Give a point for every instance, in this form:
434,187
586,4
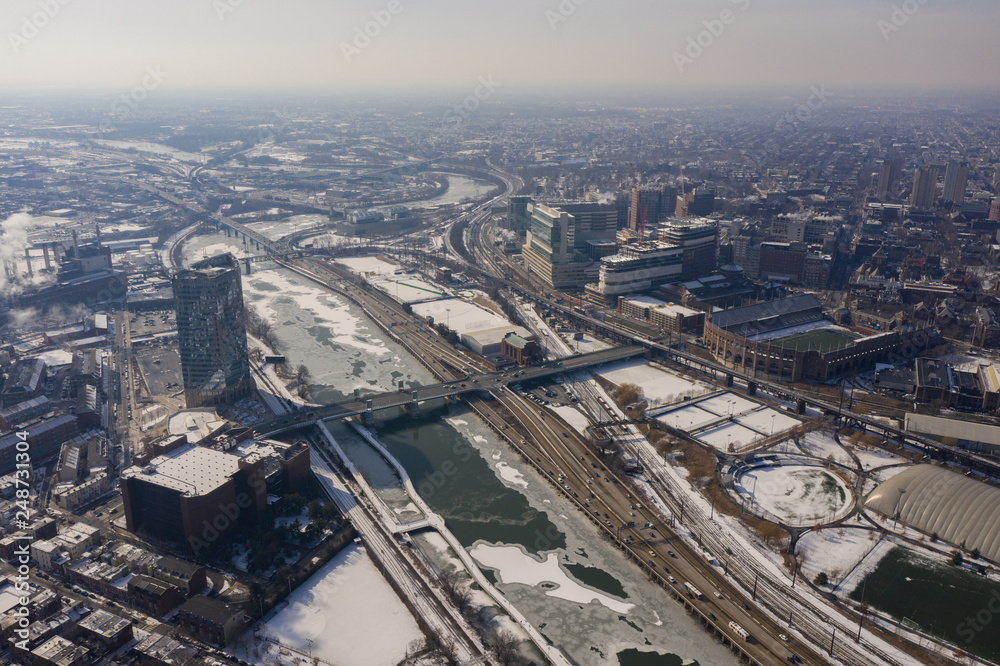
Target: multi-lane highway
571,463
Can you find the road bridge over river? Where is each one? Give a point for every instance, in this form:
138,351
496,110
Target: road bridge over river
487,381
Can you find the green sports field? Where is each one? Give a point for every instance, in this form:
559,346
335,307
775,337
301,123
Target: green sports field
822,339
943,600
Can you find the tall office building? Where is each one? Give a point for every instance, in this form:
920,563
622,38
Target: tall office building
888,174
995,211
955,179
647,201
211,330
700,242
593,222
924,188
702,203
517,213
549,250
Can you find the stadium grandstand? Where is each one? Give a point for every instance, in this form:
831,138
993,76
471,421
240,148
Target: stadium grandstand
937,501
792,340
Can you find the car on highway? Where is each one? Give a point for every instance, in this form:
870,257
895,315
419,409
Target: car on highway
672,579
672,554
652,554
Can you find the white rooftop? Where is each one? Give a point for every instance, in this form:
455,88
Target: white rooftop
191,470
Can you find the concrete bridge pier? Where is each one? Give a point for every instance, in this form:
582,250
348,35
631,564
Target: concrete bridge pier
751,388
729,381
247,262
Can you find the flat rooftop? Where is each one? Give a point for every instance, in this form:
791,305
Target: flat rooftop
191,470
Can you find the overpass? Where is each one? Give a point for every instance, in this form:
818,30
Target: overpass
475,382
780,390
229,225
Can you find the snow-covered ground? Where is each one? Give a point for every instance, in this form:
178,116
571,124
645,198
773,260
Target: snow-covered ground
573,417
688,418
408,288
835,551
348,598
821,443
768,421
721,437
750,421
658,386
796,494
366,266
725,404
872,458
515,566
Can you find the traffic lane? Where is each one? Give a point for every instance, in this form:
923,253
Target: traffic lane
688,570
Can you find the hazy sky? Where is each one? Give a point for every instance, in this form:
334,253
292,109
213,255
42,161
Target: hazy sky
230,44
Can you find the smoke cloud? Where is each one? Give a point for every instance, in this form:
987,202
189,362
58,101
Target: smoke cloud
13,242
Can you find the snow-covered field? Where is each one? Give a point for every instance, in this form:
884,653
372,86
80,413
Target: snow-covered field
767,421
657,385
751,421
821,444
346,599
366,266
725,404
796,494
834,551
515,566
731,433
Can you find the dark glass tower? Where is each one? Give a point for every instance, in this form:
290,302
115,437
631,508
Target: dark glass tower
211,330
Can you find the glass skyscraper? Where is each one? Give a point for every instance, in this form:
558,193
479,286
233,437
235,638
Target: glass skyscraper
211,330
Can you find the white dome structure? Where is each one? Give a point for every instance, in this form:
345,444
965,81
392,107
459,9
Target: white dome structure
938,501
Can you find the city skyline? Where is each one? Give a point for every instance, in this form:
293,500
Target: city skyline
236,45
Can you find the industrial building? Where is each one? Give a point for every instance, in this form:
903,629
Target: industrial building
193,494
211,328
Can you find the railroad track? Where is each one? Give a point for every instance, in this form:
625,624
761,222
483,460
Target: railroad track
559,451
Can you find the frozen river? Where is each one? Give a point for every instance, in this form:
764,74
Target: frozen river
544,555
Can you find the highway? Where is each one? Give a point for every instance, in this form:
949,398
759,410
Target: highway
398,564
451,366
560,453
819,621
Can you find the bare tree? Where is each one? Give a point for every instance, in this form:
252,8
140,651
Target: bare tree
503,643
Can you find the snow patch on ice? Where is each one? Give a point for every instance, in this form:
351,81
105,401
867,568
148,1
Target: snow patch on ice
514,566
511,475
